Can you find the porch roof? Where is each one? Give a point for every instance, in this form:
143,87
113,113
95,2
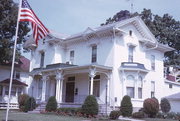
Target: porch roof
69,68
14,82
133,67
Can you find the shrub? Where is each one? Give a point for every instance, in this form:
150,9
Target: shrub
30,104
138,114
151,107
165,105
51,104
22,100
90,106
114,115
68,111
126,106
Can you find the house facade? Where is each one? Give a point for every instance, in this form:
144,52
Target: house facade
110,61
20,82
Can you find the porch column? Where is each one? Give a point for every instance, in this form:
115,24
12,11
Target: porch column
44,79
92,74
59,85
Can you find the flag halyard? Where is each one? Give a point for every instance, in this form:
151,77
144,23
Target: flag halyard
27,14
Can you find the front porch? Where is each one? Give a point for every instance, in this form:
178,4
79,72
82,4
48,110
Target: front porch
71,84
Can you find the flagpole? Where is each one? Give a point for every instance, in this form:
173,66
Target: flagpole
14,55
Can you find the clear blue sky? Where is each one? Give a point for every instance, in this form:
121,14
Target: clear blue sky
73,16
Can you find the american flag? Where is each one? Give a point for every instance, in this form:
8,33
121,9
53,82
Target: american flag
27,14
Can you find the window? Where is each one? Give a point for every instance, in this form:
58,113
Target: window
94,54
72,56
130,55
152,62
170,85
139,83
71,78
6,90
39,88
1,89
130,32
17,75
19,91
13,91
130,86
152,89
42,59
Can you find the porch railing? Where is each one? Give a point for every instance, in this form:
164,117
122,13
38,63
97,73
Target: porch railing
12,106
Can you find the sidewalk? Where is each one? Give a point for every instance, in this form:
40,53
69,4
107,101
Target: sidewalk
129,119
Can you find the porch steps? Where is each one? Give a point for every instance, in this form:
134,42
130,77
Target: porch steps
104,110
40,108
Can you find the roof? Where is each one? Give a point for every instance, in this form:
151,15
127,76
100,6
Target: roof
23,63
14,82
133,66
175,96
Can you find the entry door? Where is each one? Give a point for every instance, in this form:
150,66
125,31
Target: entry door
70,92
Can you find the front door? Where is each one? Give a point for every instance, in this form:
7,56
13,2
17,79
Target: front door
69,92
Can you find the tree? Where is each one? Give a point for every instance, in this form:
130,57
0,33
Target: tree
90,106
165,105
126,106
165,29
8,20
51,104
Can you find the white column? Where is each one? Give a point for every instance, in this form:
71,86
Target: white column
59,85
43,98
61,89
92,74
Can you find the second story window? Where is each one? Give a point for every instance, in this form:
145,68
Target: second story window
152,89
42,59
130,53
72,57
94,54
152,62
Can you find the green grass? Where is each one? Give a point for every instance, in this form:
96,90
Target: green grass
20,116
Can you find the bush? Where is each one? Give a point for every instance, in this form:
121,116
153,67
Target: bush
68,111
22,100
30,104
90,106
151,107
51,104
165,105
138,114
114,115
126,106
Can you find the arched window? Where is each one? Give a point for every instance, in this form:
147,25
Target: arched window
130,86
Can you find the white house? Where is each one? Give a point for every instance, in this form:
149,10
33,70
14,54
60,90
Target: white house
110,61
19,83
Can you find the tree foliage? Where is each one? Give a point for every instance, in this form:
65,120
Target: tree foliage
165,29
126,106
51,104
165,105
151,107
8,20
90,106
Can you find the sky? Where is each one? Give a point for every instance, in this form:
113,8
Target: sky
72,16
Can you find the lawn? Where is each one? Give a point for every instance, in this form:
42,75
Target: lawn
19,116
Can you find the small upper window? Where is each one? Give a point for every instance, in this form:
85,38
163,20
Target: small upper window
42,59
94,54
152,62
130,54
72,56
130,32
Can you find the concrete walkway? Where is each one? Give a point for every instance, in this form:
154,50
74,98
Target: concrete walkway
129,119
